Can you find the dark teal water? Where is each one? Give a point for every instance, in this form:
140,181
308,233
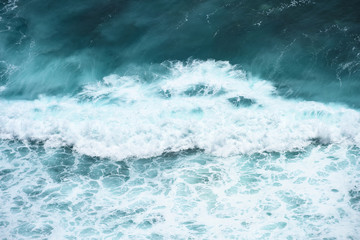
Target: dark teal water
216,119
309,49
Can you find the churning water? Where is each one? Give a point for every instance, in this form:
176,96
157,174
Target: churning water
179,119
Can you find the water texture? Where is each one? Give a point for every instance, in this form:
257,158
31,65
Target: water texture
179,119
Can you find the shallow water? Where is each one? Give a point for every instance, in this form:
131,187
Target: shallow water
179,120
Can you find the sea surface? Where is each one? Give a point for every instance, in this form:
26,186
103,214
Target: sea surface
187,119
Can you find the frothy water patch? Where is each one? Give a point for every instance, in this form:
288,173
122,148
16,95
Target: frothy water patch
57,193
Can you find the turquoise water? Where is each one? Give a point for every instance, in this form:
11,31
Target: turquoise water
179,119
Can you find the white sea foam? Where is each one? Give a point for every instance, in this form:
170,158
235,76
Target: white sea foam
211,105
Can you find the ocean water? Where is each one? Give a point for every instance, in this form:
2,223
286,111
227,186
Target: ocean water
179,119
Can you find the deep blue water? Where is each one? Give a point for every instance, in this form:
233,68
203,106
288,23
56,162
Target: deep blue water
215,119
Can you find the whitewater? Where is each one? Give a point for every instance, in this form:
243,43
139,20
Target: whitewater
207,105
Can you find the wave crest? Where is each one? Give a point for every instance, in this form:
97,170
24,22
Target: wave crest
211,105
